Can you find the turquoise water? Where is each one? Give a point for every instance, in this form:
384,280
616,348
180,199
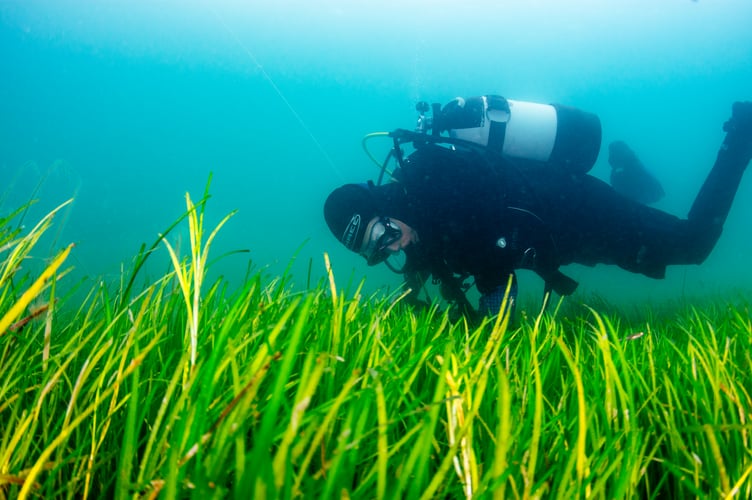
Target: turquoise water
125,106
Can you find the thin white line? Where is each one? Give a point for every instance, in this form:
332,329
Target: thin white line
277,90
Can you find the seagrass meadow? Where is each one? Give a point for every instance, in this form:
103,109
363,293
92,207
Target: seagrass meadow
186,389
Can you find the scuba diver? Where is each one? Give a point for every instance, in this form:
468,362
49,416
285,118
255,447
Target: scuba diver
629,176
508,189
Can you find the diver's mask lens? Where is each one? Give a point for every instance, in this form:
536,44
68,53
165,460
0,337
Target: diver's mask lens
383,234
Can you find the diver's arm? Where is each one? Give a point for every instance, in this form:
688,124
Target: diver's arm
414,281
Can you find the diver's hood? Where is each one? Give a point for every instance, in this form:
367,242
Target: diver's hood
392,201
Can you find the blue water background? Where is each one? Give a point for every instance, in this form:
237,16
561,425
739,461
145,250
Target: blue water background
126,106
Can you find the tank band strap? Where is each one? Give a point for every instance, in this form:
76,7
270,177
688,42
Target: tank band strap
496,134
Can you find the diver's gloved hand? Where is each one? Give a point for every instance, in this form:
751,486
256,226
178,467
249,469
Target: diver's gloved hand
458,313
411,301
739,128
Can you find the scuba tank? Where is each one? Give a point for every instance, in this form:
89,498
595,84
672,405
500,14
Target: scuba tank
551,133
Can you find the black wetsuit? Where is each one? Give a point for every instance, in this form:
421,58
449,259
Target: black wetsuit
484,217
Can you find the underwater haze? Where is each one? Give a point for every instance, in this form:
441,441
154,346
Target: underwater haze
125,106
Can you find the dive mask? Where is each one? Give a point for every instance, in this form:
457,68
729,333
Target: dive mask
383,234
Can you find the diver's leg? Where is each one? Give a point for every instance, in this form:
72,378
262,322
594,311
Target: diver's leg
713,202
613,229
605,227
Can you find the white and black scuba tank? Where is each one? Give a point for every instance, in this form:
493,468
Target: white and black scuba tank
550,133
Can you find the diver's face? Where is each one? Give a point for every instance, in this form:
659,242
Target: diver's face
385,236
